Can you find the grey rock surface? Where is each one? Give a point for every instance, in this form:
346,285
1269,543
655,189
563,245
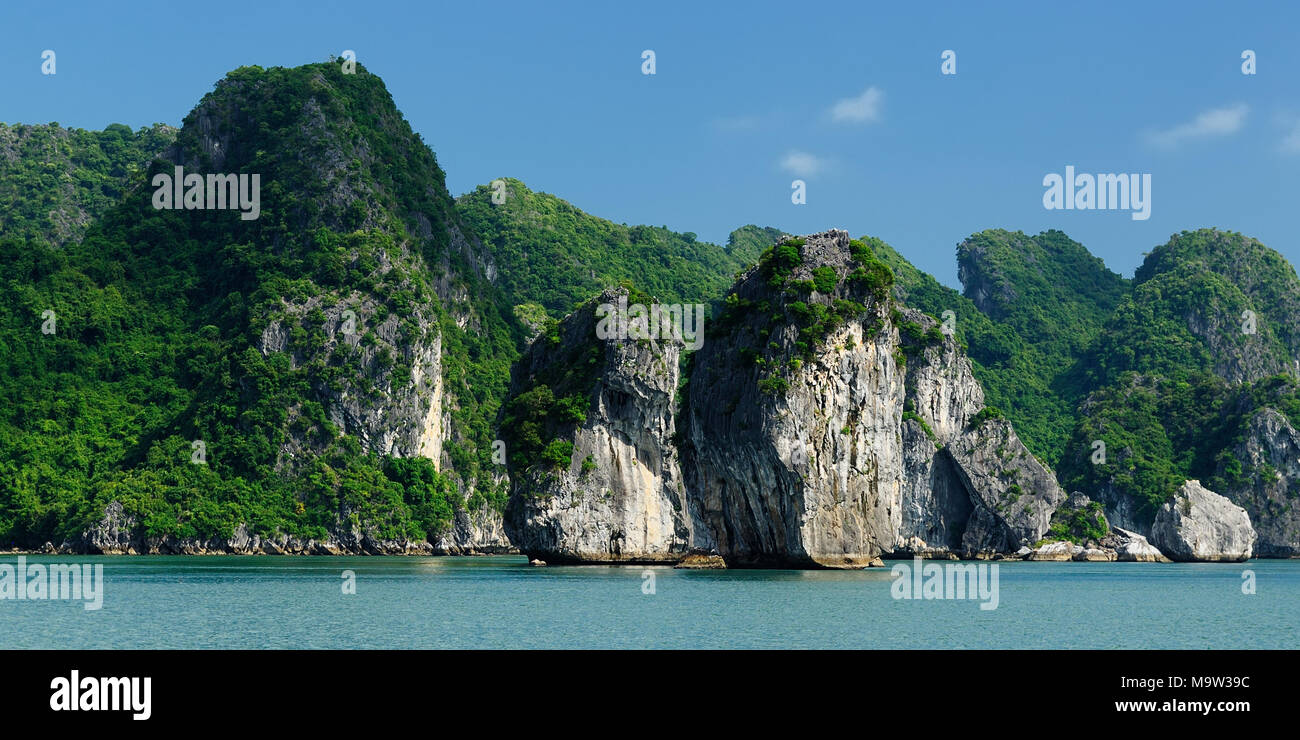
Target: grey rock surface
1269,487
1200,525
620,497
1014,495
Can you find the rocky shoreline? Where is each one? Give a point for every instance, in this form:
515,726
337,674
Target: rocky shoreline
1057,551
118,533
1181,529
288,546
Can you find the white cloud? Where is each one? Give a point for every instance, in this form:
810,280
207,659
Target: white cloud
802,164
1214,122
864,108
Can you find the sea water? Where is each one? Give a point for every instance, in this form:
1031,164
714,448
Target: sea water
503,602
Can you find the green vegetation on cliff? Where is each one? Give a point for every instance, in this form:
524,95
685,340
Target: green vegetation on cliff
136,342
1164,370
1025,328
55,181
547,251
771,304
1203,341
1080,526
162,319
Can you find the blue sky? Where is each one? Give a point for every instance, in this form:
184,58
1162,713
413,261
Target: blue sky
744,100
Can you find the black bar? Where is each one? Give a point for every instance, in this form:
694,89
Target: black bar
939,689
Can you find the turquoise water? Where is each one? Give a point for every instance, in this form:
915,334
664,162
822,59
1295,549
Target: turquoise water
502,602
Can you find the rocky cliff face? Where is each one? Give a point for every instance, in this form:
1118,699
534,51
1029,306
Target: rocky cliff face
936,506
476,531
823,425
1269,489
392,402
387,388
1014,495
863,446
794,452
396,280
614,492
984,286
1122,510
1238,357
119,533
1199,524
941,399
